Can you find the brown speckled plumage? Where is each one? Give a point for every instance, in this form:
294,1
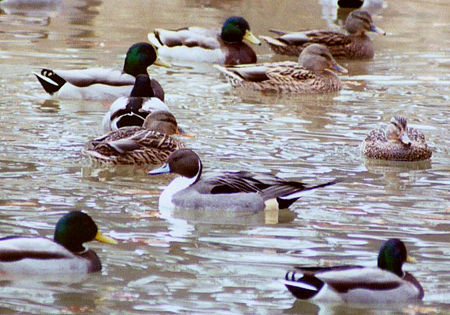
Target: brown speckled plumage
149,144
377,146
144,147
310,75
355,45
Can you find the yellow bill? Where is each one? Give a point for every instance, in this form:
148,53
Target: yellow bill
105,239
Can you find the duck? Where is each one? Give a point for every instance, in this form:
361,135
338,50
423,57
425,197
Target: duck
150,144
65,254
103,84
386,283
127,111
231,191
310,75
397,142
355,45
200,44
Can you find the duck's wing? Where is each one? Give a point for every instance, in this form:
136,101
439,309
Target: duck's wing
348,281
289,71
189,37
416,136
312,36
87,77
126,140
13,249
247,72
234,182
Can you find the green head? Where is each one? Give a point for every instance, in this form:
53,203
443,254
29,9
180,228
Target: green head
76,228
139,57
392,256
235,29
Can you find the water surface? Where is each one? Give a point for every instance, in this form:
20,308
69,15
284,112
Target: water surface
187,262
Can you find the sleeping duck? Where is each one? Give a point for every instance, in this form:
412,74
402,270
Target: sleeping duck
131,110
103,83
150,144
208,45
355,45
387,283
235,191
397,142
64,254
309,75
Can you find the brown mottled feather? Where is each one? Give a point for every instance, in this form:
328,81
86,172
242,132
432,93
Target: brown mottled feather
143,147
376,146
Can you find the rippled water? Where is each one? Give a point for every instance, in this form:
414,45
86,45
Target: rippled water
216,262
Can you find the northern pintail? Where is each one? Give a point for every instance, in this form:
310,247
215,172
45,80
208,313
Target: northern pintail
237,191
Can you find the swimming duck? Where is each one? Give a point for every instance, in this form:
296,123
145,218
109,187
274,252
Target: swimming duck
64,254
387,283
149,144
356,44
208,45
131,110
102,83
396,143
235,191
310,75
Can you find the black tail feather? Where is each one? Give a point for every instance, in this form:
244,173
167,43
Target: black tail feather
49,87
284,201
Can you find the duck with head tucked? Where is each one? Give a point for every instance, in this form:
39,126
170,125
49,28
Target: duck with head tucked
150,144
397,142
65,254
310,75
127,111
387,283
103,83
355,45
235,191
208,45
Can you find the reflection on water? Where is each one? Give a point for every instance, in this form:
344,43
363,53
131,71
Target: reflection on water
191,262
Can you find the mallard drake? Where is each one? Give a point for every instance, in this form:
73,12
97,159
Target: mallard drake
309,75
356,44
358,284
396,143
208,45
102,83
132,110
235,191
64,254
150,144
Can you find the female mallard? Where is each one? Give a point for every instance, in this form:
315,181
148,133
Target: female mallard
208,45
149,144
358,284
64,254
132,110
396,143
102,83
309,75
231,191
356,45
